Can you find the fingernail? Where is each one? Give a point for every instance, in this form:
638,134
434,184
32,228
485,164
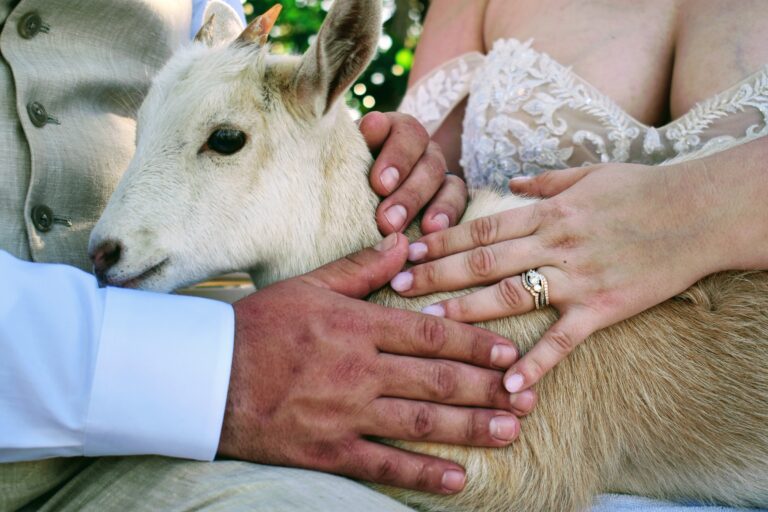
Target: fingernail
387,244
434,310
402,282
502,356
514,383
417,251
453,480
396,216
520,179
522,401
503,428
389,178
442,220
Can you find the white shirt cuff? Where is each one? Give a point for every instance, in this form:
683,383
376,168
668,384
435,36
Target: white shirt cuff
161,378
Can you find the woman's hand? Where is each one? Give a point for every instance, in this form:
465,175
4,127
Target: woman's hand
410,173
612,241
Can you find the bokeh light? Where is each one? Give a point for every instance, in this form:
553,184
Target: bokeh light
384,83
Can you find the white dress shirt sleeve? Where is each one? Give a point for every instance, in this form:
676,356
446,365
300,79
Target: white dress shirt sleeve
104,371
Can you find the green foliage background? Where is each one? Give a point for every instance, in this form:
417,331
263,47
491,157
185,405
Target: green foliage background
384,82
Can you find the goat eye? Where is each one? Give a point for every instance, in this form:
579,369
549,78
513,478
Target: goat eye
226,141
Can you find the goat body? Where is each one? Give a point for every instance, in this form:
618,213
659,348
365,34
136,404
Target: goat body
672,403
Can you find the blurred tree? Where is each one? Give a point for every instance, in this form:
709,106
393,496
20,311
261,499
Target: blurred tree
384,82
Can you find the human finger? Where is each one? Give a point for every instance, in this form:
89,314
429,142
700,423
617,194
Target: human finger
549,183
524,402
447,207
375,127
444,382
476,267
414,192
554,346
386,465
514,223
413,334
400,141
363,272
505,298
409,420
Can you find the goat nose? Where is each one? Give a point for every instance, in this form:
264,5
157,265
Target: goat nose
104,257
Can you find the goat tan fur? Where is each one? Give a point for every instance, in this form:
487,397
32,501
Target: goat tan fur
672,403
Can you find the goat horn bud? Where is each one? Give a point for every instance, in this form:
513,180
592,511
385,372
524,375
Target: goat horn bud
258,30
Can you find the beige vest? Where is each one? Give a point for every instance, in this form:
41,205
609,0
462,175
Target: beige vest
72,75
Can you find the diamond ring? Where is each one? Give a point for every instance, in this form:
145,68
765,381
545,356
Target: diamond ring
537,286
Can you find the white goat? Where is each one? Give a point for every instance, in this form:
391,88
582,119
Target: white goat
247,160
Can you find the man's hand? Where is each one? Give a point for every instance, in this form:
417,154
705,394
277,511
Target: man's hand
410,172
315,373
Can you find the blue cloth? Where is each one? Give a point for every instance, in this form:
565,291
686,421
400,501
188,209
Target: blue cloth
622,503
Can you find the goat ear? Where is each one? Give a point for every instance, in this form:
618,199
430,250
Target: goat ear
342,50
222,24
258,30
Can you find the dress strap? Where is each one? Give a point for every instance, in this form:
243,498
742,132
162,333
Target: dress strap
435,96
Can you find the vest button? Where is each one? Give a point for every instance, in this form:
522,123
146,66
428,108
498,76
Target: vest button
30,25
37,114
42,218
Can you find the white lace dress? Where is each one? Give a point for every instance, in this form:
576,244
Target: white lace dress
527,113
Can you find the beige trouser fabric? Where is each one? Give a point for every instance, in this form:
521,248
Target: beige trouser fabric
163,484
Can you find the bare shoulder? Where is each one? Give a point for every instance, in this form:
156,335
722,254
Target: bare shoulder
717,45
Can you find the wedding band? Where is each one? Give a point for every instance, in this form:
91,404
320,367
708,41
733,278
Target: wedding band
537,286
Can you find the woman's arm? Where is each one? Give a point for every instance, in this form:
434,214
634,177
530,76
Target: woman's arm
452,28
613,240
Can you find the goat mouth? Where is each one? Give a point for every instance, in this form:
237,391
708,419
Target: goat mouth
135,281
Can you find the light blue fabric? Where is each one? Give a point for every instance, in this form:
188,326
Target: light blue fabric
198,9
105,371
622,503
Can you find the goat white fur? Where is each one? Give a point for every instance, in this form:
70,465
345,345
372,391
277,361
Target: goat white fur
672,403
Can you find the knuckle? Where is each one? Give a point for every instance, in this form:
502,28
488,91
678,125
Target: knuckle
434,335
478,350
457,309
544,180
509,294
444,244
386,470
459,184
410,197
493,388
419,132
476,428
443,382
435,154
555,210
533,371
564,241
481,261
434,167
423,422
562,342
353,268
427,275
484,230
324,454
423,480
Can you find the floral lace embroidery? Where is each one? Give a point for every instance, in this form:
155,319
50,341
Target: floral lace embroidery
433,98
528,113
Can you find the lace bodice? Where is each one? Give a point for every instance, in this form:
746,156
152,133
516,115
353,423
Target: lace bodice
527,113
